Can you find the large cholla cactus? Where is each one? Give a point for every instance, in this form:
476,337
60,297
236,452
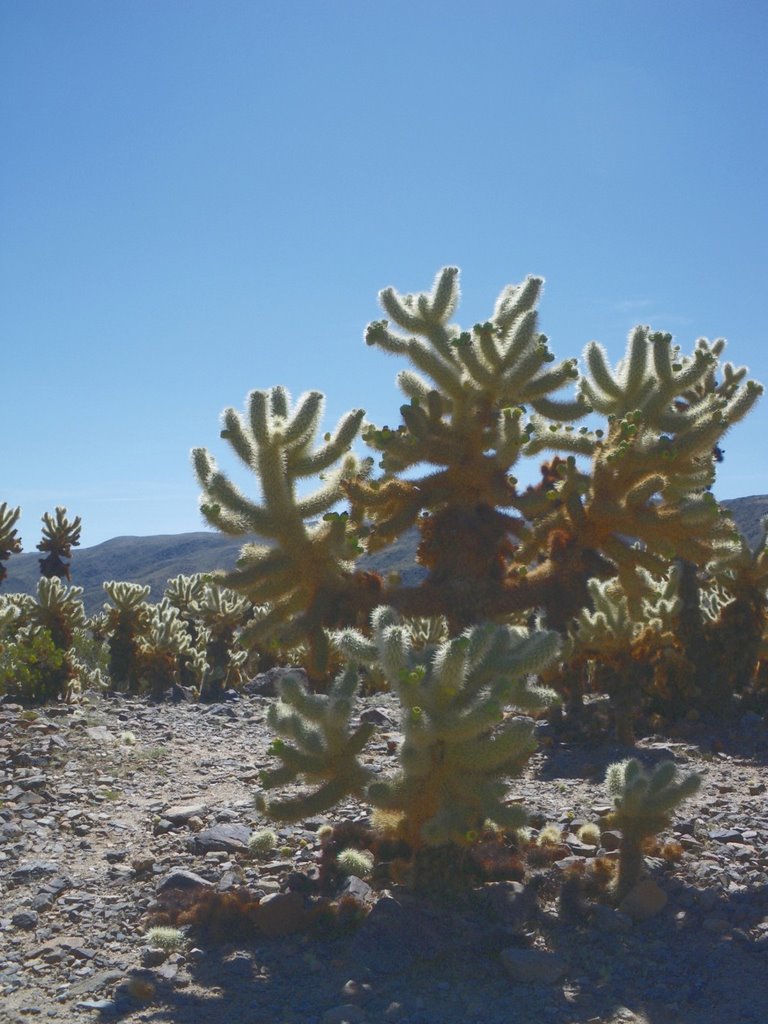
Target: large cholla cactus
60,535
306,575
10,542
643,801
458,746
612,503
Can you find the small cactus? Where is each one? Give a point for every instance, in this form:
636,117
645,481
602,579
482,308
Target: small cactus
168,939
644,801
262,842
355,862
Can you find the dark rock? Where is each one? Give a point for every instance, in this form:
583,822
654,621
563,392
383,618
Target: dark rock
229,838
282,913
376,716
33,870
26,920
181,879
510,904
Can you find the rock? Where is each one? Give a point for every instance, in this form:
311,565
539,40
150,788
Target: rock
152,957
356,887
182,879
230,838
376,716
180,814
282,913
26,920
643,901
610,839
529,966
725,835
33,870
511,904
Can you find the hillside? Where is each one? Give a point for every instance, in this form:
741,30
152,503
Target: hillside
155,560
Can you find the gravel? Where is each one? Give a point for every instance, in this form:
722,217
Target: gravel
102,802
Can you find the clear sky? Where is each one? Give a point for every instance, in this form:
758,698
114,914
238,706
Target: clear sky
202,197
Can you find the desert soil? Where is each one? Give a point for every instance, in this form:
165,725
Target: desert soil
103,801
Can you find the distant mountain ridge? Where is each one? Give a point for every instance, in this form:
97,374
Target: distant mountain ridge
155,560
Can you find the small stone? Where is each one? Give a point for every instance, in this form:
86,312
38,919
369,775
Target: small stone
25,920
643,901
376,716
181,879
725,835
511,904
180,814
282,913
151,957
611,839
532,965
356,887
32,870
230,838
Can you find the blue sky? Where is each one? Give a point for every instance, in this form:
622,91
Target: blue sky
201,198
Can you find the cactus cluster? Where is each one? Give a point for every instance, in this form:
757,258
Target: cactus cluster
617,571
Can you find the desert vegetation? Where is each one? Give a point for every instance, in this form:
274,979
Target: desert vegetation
615,575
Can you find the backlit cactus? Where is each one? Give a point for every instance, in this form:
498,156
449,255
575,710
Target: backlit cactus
305,575
10,542
60,535
459,747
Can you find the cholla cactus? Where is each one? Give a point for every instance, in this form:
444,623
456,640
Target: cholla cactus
127,620
185,593
161,647
10,542
59,537
466,417
59,609
477,402
223,613
643,801
621,642
458,746
58,613
734,636
306,576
